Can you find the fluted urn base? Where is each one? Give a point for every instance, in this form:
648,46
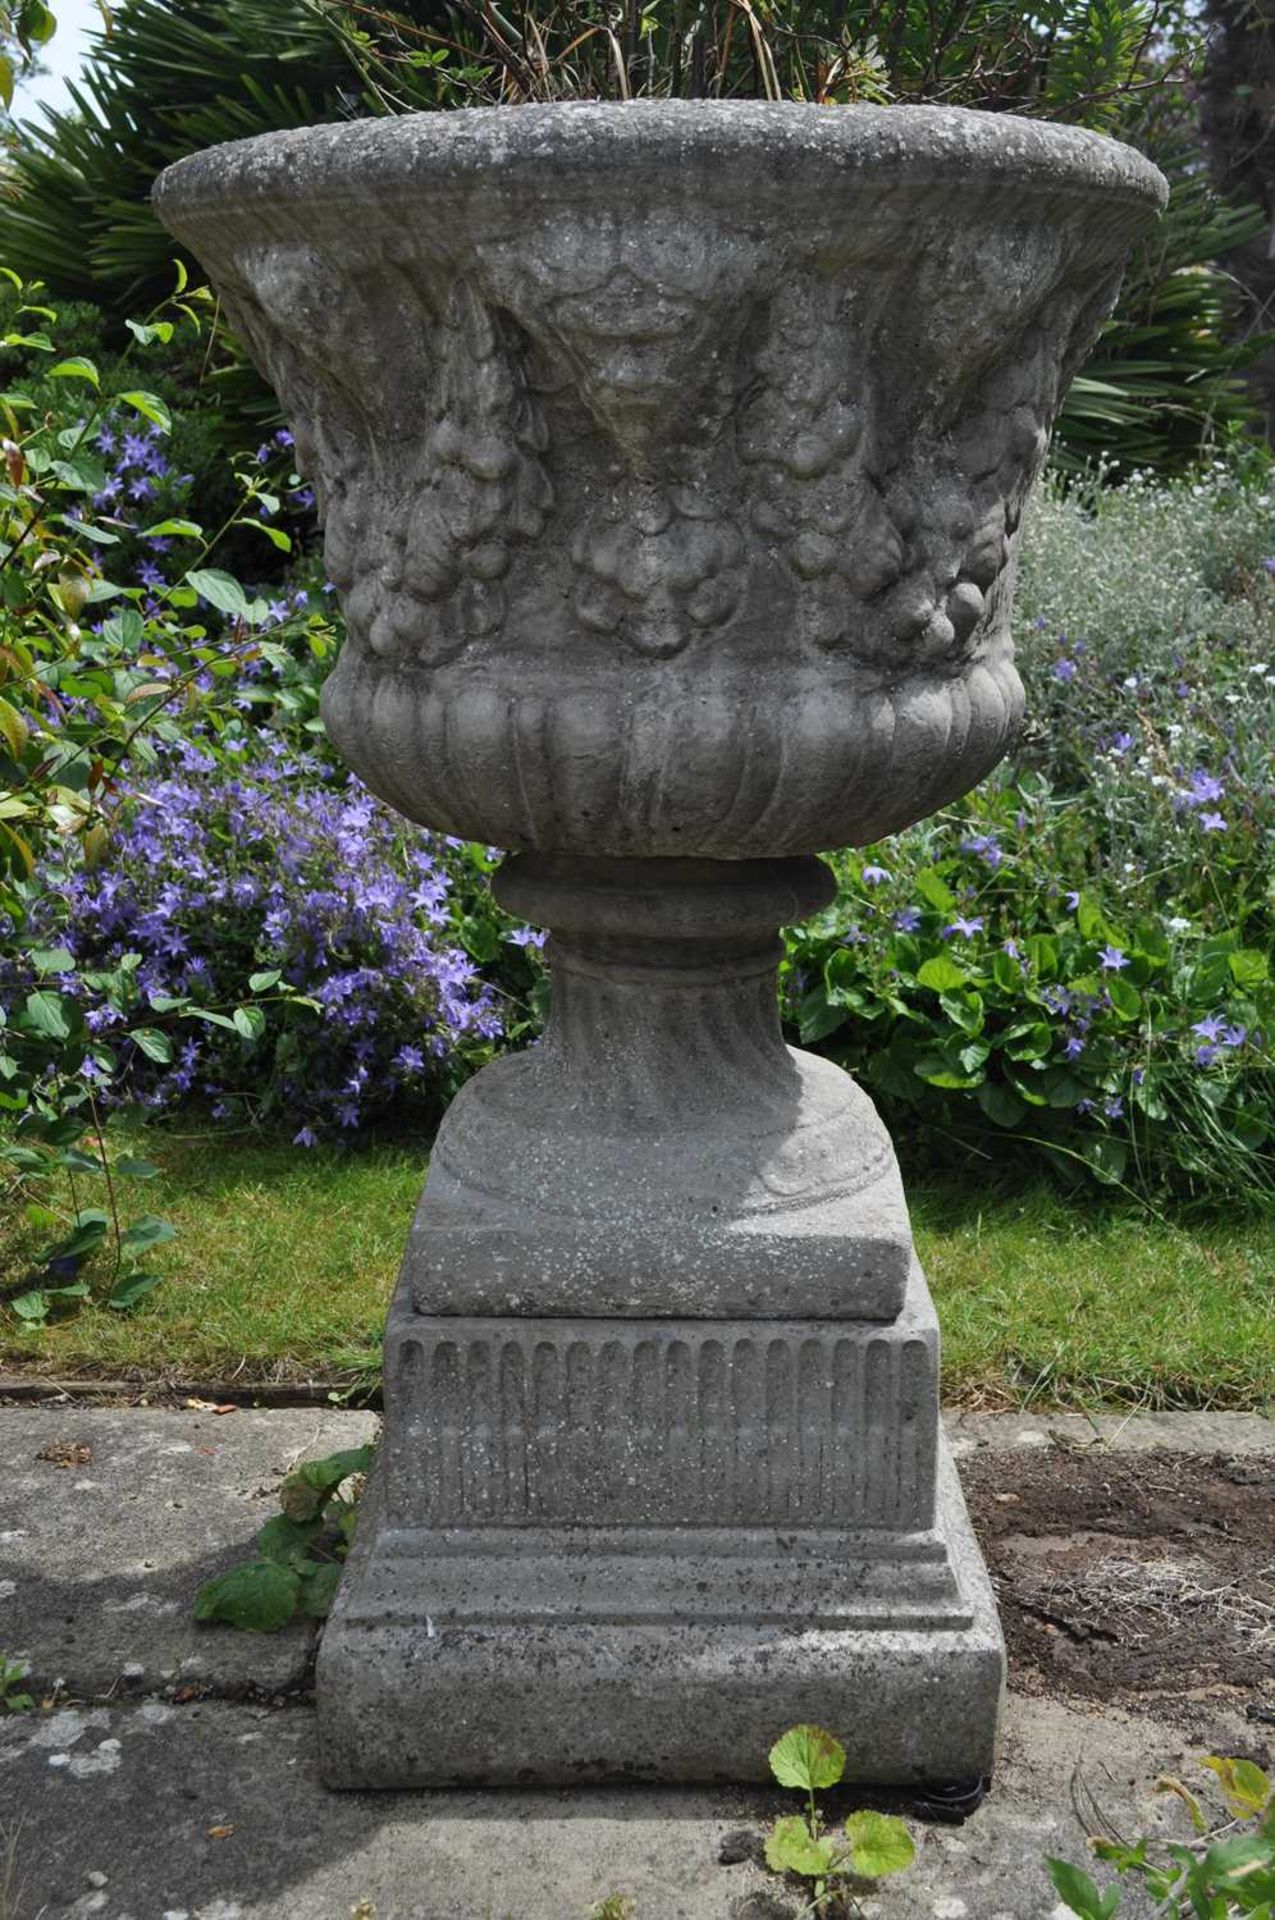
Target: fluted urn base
662,1151
662,1469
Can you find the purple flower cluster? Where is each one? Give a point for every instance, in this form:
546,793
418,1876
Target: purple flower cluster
986,846
226,870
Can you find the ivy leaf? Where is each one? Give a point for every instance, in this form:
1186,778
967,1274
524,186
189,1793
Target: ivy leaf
275,535
1229,1862
1042,955
1108,1158
1125,998
1246,1787
260,1597
1249,967
32,1306
1079,1892
220,590
879,1844
932,887
1006,973
146,331
183,529
149,1231
52,959
326,1475
150,405
131,1288
1029,1040
964,1010
51,1015
1000,1104
808,1758
287,1542
46,1303
78,1161
154,1044
1090,921
250,1022
318,1591
85,1237
941,974
78,367
818,1016
792,1848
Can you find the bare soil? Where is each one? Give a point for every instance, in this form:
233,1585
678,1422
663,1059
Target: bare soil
1144,1580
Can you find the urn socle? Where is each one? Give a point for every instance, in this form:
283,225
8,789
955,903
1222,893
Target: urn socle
672,458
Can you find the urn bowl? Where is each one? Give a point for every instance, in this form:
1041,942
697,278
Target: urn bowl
672,455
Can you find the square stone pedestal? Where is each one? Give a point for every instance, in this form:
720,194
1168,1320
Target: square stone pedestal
635,1549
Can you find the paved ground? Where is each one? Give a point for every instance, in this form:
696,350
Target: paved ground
173,1775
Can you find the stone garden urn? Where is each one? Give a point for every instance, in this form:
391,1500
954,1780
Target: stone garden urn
672,459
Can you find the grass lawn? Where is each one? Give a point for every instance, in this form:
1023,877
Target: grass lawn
285,1258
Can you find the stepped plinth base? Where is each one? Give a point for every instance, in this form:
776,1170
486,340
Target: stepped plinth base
447,1665
639,1550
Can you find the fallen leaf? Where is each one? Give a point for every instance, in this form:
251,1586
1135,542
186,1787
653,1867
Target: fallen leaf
229,1407
66,1453
1006,1499
221,1833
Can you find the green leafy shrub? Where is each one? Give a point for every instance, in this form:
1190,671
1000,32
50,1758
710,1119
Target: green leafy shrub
1222,1873
383,973
1164,386
97,673
299,1553
1075,961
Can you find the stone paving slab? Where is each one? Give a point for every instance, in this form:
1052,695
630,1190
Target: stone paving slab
153,1811
139,1806
100,1559
1229,1433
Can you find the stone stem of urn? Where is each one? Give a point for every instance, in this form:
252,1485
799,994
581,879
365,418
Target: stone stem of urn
672,458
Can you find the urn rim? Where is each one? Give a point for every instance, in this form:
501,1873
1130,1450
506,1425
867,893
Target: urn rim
910,146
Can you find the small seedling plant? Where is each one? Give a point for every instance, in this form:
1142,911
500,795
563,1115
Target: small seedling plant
1222,1872
870,1846
13,1697
299,1553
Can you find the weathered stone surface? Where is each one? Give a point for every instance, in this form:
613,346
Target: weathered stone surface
88,1785
746,1423
663,1151
678,1656
281,1848
672,459
591,1524
100,1559
672,454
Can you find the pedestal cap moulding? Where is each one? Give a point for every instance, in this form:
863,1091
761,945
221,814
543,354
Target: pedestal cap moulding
672,458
